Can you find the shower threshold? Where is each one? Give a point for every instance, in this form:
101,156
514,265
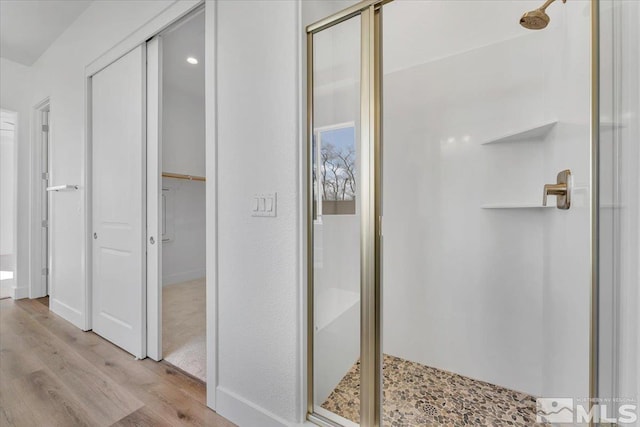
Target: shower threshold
419,395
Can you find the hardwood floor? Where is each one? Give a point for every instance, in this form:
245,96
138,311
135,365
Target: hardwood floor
53,374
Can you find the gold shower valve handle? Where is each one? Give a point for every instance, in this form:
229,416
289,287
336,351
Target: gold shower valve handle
562,190
553,190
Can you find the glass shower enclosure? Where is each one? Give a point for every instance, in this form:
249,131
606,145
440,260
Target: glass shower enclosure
451,212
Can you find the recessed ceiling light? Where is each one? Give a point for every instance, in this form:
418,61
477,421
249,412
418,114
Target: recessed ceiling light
191,60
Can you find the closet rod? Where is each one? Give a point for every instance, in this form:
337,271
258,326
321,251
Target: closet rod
181,176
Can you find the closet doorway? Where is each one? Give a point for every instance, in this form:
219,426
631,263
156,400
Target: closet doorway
176,186
146,205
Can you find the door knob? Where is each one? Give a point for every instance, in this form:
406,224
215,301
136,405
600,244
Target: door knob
95,235
562,190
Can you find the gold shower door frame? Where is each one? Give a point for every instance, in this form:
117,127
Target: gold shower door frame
370,203
370,12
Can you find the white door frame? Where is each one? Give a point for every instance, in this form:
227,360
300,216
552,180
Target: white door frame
154,200
211,201
37,286
172,13
15,286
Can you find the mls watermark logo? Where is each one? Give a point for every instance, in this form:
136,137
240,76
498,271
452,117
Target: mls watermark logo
552,410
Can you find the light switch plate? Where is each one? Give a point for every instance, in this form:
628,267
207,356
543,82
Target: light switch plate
264,204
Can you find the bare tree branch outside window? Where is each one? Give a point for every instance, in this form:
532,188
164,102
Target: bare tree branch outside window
334,170
338,171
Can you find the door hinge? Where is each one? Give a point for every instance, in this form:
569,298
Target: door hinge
45,175
45,223
45,271
45,128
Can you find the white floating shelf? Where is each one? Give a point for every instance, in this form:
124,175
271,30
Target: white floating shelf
515,206
66,187
538,131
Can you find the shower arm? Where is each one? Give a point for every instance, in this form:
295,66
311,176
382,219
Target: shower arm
547,4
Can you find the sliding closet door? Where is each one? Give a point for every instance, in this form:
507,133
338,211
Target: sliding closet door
118,199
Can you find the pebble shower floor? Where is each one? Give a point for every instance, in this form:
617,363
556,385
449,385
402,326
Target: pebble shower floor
418,395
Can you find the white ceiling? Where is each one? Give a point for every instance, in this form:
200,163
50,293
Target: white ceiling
29,27
182,41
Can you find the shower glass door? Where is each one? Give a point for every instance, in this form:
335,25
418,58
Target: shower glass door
336,224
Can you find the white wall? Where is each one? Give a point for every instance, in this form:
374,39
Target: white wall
182,131
258,149
459,280
183,257
15,91
60,74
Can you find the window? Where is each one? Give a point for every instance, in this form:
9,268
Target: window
335,170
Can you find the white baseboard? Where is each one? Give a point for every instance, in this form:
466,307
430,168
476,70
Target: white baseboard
183,276
20,292
68,313
245,413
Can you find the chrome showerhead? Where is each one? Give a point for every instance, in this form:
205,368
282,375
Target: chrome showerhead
537,19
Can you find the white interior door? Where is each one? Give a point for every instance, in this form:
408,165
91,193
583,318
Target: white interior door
118,200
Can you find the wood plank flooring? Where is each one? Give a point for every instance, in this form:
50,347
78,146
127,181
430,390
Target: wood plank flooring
53,374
